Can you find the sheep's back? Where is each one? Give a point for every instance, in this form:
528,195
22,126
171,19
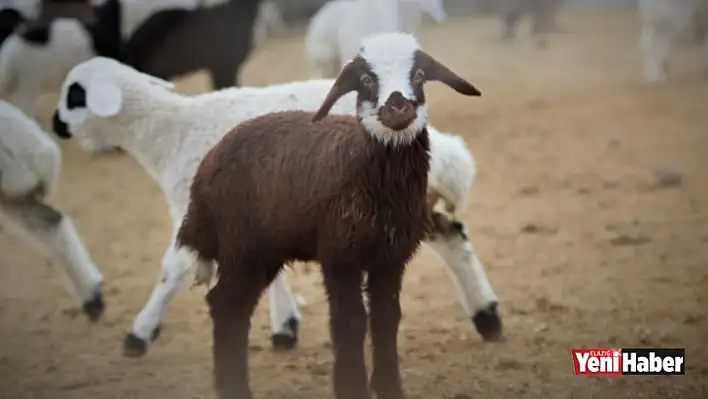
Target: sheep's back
279,169
208,37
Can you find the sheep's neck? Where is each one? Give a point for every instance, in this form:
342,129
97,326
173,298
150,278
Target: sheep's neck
400,167
155,129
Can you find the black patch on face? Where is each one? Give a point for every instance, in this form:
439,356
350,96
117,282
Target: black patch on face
10,19
60,128
75,96
417,88
360,68
37,34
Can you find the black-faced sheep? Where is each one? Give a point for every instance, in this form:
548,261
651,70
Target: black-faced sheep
350,193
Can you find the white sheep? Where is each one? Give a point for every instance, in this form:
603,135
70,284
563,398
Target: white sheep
37,58
336,29
30,9
30,163
662,25
169,134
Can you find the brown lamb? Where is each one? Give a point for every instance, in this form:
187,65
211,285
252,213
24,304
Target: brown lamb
348,192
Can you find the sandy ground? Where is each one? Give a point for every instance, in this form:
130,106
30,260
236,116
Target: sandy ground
583,243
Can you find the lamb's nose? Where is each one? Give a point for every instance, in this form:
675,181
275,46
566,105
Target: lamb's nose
397,103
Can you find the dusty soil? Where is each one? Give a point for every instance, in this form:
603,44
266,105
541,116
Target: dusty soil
585,239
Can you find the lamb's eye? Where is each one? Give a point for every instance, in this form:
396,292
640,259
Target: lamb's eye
367,81
418,77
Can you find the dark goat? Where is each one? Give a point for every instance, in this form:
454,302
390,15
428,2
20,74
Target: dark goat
105,29
350,193
178,41
10,19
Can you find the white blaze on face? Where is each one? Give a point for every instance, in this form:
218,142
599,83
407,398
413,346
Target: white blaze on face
391,57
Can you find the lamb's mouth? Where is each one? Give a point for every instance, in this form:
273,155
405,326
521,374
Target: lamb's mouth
397,119
59,127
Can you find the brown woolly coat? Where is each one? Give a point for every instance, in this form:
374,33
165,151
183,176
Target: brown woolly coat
280,187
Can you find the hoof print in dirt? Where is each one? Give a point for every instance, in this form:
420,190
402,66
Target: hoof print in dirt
488,323
534,228
287,339
629,240
667,178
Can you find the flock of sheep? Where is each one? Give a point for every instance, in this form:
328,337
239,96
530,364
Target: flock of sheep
258,177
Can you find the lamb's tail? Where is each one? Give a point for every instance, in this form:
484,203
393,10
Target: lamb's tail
8,53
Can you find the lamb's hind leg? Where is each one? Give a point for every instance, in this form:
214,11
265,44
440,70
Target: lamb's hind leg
176,264
285,317
231,304
451,243
54,234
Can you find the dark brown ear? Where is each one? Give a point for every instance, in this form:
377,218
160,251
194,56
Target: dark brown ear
346,82
435,71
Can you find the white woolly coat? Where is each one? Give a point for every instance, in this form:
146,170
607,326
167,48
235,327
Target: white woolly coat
28,157
26,65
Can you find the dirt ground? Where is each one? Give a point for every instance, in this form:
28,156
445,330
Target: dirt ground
587,234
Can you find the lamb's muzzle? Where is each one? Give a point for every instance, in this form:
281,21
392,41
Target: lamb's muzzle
398,112
60,127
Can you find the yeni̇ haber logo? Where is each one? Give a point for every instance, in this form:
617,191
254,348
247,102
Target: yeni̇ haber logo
629,361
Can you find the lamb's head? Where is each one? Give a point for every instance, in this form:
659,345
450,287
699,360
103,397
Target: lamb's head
92,93
388,75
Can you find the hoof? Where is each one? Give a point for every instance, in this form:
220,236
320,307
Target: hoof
94,308
283,340
134,346
488,323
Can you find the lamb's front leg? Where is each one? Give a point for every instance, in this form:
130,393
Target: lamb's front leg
348,322
53,233
146,327
452,244
285,317
383,288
